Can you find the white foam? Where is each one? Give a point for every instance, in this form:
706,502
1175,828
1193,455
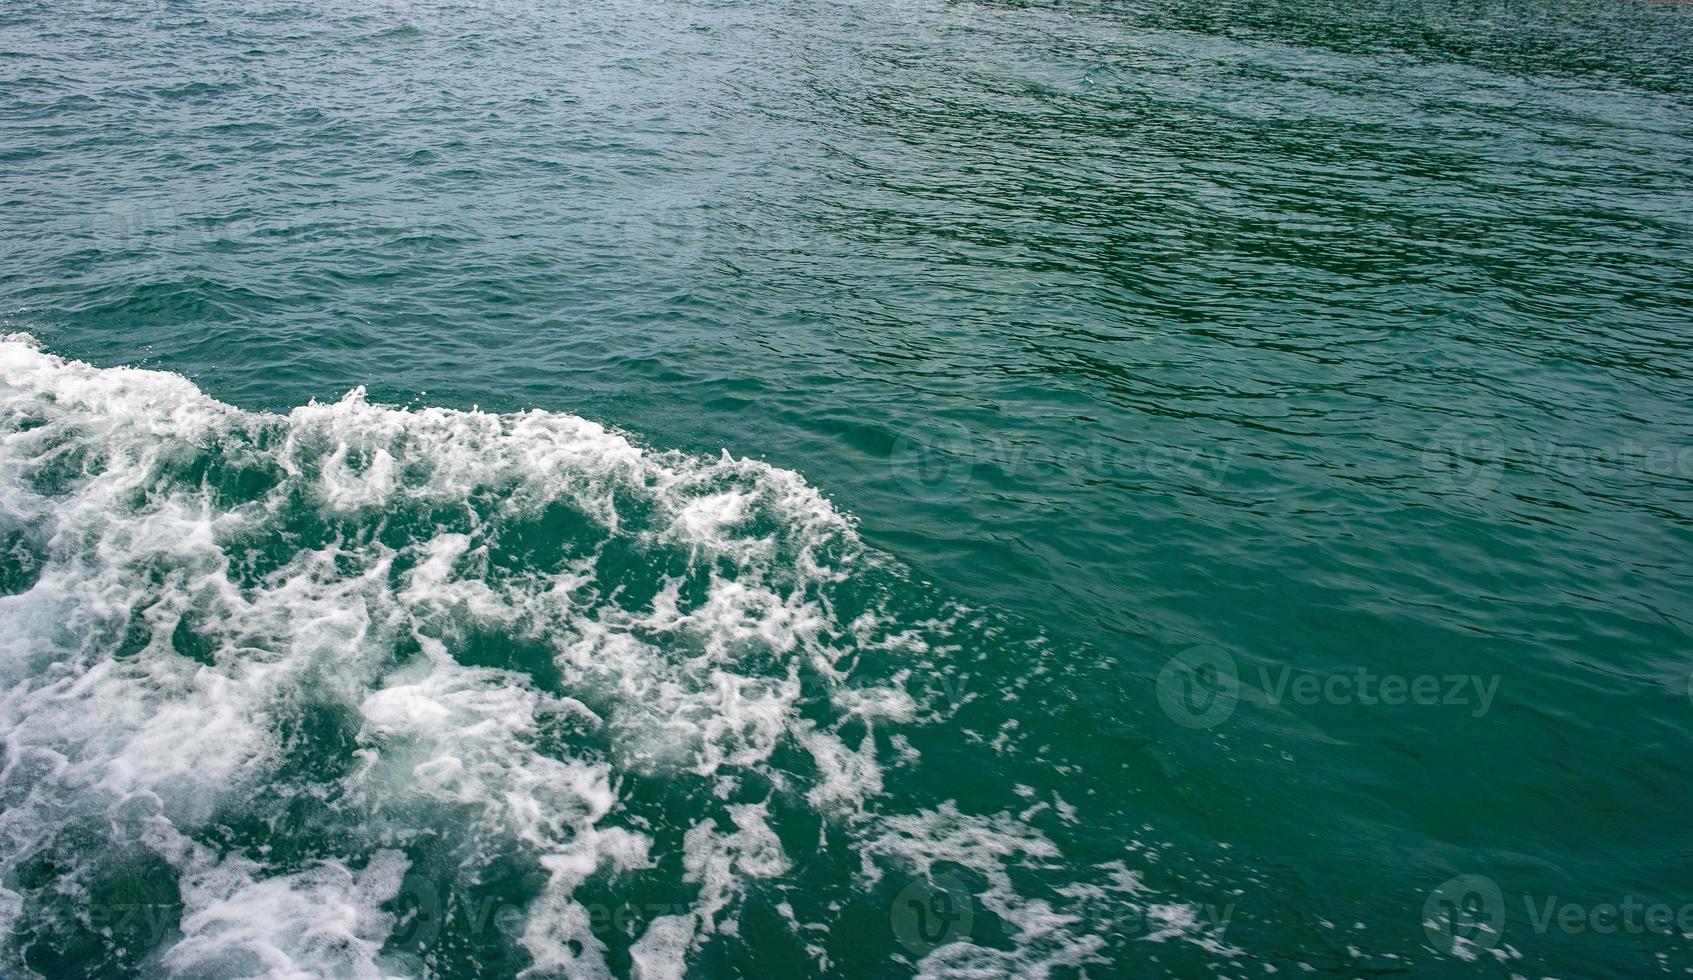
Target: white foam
847,777
321,921
180,640
721,862
661,952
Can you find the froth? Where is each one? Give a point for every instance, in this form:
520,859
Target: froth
442,639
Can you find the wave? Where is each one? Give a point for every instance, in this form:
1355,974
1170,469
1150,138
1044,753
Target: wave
365,691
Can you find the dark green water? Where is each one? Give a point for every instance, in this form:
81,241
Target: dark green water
1073,489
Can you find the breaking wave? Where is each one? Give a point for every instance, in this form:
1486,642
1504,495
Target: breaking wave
361,691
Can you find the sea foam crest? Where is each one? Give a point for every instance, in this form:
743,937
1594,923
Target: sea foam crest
262,674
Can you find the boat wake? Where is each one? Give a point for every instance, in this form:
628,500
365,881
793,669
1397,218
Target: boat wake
360,691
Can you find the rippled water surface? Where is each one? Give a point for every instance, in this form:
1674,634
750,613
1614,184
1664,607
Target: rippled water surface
964,489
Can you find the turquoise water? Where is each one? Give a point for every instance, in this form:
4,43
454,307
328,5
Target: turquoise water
961,489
